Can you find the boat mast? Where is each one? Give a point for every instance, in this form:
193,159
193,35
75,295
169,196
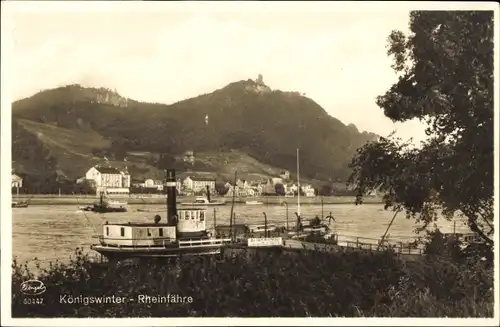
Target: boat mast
298,184
232,206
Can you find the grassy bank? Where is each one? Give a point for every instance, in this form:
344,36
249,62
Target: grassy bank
158,199
309,284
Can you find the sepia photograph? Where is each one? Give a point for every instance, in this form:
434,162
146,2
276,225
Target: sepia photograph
210,163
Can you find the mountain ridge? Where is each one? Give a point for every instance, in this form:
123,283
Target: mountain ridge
246,116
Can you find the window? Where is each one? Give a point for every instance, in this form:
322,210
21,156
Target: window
202,216
107,231
188,215
160,232
149,231
122,232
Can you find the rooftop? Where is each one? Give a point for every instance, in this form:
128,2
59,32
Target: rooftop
202,179
108,170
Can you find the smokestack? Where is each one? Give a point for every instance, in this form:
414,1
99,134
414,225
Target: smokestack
208,193
171,197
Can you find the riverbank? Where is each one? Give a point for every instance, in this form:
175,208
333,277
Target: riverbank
144,199
351,284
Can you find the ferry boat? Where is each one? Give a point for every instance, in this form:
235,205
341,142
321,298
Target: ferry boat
105,206
204,201
261,228
184,233
19,204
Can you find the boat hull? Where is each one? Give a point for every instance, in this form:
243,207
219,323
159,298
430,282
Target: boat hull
103,209
122,253
19,205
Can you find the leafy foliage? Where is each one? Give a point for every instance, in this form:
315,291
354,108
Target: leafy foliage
446,80
279,189
265,284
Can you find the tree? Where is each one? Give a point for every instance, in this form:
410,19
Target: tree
279,189
446,80
326,189
221,188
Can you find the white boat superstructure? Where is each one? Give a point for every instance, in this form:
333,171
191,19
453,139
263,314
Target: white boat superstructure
253,202
116,203
203,201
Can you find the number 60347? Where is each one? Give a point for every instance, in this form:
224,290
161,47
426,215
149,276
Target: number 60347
33,300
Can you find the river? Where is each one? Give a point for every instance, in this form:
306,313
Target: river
51,232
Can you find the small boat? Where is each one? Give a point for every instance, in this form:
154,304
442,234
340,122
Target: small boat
261,228
100,208
253,202
105,206
203,201
19,204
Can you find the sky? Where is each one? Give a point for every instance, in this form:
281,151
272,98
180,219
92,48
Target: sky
167,52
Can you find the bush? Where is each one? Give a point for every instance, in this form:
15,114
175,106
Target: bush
269,284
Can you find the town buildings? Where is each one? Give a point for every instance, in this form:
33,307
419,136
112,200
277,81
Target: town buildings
113,181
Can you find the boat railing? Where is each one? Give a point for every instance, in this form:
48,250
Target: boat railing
206,242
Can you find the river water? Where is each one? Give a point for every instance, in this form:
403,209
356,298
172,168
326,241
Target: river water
51,232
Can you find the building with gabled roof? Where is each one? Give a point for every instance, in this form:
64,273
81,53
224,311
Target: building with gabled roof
109,180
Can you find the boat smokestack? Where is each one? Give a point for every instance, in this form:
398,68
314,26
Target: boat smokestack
171,197
208,193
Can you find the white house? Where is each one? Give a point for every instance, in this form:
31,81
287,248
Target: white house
291,189
158,184
109,180
198,184
17,181
242,183
308,190
151,183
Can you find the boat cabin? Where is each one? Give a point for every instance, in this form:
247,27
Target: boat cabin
138,234
201,200
191,221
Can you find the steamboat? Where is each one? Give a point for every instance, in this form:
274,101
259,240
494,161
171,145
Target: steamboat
105,206
183,233
204,201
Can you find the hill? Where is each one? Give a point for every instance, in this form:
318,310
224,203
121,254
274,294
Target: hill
61,132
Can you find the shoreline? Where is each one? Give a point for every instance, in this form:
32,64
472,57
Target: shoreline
41,199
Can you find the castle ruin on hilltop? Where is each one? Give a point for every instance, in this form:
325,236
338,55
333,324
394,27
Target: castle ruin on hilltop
259,86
